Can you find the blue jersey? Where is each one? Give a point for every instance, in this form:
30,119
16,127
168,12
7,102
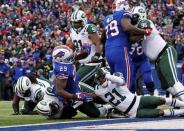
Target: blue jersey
137,54
115,36
67,71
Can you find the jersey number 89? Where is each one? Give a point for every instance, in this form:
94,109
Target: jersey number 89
112,29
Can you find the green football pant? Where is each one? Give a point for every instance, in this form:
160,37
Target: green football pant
148,107
166,68
89,109
86,74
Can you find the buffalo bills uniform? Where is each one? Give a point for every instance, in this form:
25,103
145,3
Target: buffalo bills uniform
141,63
117,44
66,71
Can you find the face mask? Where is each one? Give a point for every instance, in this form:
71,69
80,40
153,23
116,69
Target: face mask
105,84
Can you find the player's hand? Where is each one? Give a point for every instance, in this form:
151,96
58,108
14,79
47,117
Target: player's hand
148,31
81,96
95,58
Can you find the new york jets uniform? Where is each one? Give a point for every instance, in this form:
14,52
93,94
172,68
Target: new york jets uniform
165,58
117,94
83,43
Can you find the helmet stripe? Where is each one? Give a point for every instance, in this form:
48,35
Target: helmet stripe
20,84
76,14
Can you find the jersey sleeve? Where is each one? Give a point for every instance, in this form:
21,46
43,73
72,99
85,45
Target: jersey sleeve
63,71
91,29
115,79
143,24
127,14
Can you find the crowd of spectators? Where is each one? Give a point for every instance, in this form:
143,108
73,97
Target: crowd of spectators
30,29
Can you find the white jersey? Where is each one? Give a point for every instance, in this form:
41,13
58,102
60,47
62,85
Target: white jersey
83,43
153,44
38,91
118,95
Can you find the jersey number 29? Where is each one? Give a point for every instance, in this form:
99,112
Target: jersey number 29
112,29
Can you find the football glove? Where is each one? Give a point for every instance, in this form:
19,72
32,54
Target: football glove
148,31
81,96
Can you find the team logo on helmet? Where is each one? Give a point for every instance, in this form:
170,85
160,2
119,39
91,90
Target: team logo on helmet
141,10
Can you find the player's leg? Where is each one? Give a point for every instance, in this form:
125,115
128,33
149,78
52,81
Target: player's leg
147,76
123,65
154,102
148,107
86,73
134,70
151,113
91,110
166,70
150,102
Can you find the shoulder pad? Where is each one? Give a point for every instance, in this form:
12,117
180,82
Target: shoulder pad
91,28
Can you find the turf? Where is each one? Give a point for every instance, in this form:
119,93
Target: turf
7,119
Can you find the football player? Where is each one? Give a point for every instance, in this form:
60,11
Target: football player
117,28
158,51
87,46
36,94
113,89
66,85
141,66
31,90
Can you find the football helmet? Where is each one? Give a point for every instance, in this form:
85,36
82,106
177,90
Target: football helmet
138,13
100,76
49,106
78,20
121,5
63,53
23,86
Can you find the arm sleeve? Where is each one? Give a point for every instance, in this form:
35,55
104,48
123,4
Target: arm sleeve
115,79
127,14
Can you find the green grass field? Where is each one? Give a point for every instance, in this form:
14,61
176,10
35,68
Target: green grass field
6,119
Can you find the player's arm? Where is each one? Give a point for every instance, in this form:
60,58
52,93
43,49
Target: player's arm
15,104
60,89
96,98
79,56
128,27
93,36
103,37
115,79
135,38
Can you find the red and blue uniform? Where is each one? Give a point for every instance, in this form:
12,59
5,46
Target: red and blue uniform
117,44
66,71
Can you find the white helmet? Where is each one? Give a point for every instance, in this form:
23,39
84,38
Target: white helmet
78,20
140,11
63,53
121,5
23,86
45,106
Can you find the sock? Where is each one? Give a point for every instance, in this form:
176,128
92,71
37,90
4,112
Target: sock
177,90
173,112
174,102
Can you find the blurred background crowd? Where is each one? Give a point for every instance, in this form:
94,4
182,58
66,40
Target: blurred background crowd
30,29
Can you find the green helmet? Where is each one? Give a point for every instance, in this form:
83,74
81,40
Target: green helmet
78,20
101,73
